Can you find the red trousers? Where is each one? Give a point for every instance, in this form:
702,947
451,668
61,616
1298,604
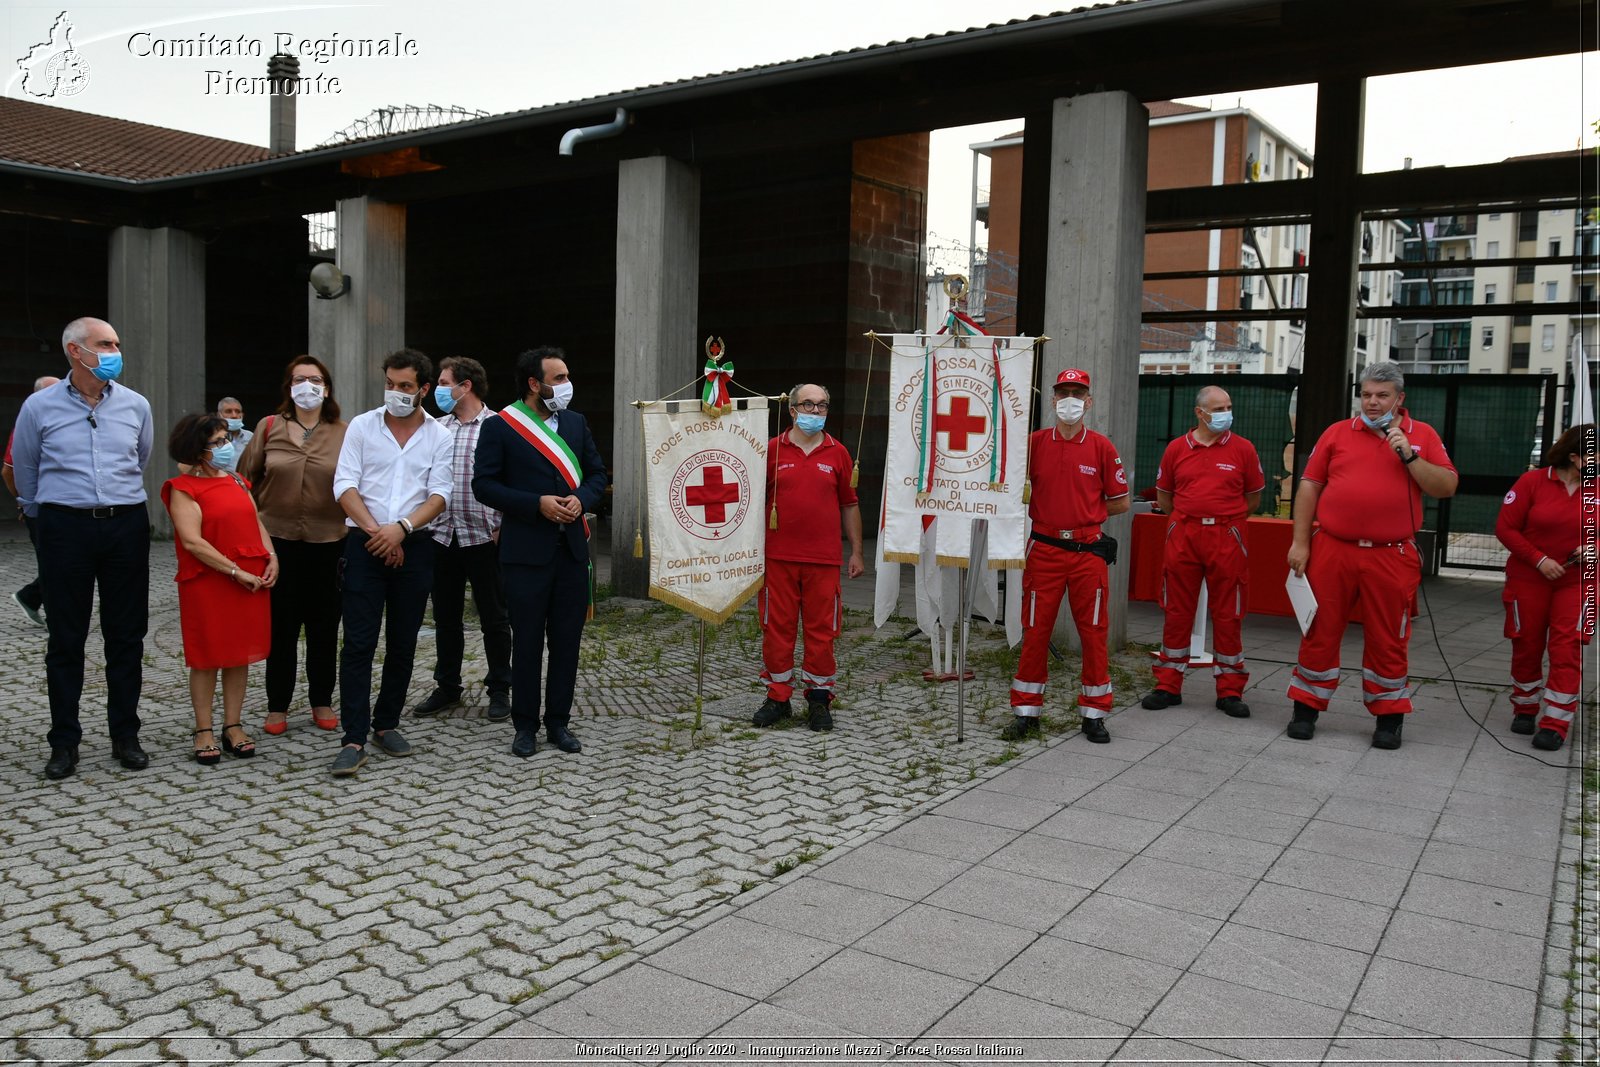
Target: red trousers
796,592
1541,614
1214,554
1383,579
1049,573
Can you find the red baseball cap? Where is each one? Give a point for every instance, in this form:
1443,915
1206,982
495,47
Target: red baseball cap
1073,376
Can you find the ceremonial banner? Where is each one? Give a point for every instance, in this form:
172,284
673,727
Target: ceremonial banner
707,487
968,459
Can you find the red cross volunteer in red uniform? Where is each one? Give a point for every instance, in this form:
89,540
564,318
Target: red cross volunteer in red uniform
1364,484
1078,482
1550,586
1209,481
809,493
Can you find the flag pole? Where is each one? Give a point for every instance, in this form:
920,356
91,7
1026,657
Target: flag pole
700,674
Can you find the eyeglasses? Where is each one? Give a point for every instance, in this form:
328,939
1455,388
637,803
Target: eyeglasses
301,379
812,406
218,443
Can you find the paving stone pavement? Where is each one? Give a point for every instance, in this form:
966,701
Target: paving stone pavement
263,911
1189,879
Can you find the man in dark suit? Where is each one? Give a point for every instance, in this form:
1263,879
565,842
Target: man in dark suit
537,465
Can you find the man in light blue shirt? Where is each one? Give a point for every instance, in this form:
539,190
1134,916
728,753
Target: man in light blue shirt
78,455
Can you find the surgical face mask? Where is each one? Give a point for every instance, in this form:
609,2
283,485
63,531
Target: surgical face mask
109,367
1219,421
234,425
1069,409
399,404
560,397
810,423
446,399
224,456
1380,423
306,395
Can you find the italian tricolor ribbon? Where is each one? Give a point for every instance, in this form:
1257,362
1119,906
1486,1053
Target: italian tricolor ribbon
715,398
532,428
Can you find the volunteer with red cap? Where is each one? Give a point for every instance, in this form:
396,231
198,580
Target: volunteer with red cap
1364,484
808,485
1077,483
1550,586
1209,480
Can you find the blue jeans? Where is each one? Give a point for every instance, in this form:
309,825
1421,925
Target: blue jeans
393,599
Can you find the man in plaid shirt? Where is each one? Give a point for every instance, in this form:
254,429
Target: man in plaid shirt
468,535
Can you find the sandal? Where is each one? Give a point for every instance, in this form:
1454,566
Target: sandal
209,754
244,749
276,728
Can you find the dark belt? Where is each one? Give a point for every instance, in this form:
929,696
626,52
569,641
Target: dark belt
1070,546
1205,520
104,511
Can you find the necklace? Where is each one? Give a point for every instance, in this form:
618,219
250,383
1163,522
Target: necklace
306,436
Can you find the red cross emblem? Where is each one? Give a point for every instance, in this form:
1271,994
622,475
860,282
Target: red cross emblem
713,494
959,423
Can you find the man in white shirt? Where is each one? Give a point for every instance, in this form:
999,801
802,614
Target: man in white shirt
393,478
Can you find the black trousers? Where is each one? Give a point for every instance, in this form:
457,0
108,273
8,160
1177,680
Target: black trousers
392,599
548,605
306,595
80,553
453,567
32,594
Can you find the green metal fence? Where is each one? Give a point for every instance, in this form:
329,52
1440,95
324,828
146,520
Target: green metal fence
1260,415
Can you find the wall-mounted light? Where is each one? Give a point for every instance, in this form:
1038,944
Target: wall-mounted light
329,281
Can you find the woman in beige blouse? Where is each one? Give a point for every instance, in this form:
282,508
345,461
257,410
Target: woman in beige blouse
289,463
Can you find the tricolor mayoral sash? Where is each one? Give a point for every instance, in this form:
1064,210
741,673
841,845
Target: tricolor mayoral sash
958,446
707,482
532,428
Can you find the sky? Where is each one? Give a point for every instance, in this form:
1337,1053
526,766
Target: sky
497,55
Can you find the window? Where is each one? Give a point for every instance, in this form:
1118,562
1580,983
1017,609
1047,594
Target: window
1519,356
1524,275
1488,337
1549,292
1547,341
1488,293
1494,216
1522,320
1586,294
1555,246
1492,250
1527,225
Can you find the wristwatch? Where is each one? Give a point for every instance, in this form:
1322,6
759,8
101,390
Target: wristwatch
405,524
1411,459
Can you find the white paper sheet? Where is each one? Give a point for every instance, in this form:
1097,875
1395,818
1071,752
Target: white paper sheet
1302,599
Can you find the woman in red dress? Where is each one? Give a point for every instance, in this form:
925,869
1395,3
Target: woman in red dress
1549,592
224,568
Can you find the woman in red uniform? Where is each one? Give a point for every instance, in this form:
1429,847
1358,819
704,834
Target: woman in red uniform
224,566
1549,591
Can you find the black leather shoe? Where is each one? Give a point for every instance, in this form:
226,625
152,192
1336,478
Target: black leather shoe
1522,724
1095,730
1304,723
63,762
771,712
1387,733
129,754
1019,727
1233,707
526,744
1547,739
1160,698
437,701
562,738
818,717
499,707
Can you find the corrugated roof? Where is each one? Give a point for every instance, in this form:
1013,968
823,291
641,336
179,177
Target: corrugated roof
50,136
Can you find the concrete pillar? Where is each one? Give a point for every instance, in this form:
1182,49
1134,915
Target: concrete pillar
658,297
1094,284
369,322
157,304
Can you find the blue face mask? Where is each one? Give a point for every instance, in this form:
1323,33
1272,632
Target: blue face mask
446,399
109,369
234,425
1219,421
810,423
224,457
1380,423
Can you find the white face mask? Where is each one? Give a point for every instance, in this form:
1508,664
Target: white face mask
399,404
1069,409
560,398
306,395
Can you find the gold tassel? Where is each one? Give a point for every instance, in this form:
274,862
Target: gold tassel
1027,491
855,474
772,518
638,545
